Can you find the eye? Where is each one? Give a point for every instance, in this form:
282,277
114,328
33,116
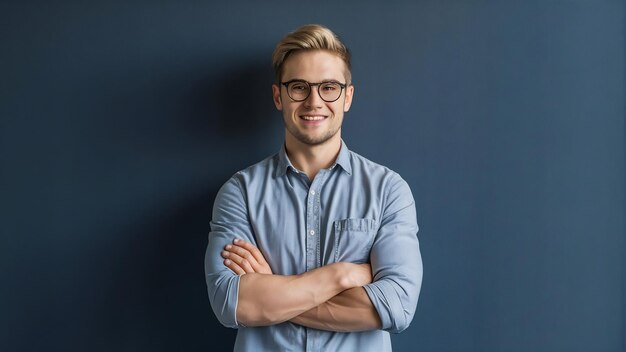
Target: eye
330,87
298,86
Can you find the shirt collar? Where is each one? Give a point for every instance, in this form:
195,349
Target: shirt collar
343,160
283,162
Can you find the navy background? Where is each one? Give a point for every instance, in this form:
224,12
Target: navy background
120,121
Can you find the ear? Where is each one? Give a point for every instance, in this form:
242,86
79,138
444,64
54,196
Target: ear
348,101
276,95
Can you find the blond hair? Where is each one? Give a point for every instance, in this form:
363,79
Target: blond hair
310,37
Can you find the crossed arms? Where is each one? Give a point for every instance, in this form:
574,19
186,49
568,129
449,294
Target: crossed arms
327,298
338,297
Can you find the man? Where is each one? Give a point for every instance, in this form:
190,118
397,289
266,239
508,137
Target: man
314,248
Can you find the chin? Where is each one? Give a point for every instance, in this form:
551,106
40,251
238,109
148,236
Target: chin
315,140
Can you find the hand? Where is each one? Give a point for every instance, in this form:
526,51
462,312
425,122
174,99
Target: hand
244,258
361,274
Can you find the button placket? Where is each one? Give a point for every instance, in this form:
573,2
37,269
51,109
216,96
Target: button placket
313,221
310,232
313,239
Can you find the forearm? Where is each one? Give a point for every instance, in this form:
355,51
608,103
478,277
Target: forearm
272,299
351,310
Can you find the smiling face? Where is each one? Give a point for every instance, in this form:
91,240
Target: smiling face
313,121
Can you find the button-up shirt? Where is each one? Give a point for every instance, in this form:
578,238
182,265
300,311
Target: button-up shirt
355,211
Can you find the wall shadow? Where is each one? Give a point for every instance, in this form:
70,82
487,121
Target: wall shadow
159,283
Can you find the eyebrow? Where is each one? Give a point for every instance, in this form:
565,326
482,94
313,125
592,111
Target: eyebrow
322,81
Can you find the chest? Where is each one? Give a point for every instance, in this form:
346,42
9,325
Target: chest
299,227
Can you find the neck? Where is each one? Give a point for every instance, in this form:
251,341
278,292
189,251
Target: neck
312,158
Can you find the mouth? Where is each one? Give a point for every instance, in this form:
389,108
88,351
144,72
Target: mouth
313,118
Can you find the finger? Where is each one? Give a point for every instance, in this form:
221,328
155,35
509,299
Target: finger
234,267
243,253
241,262
246,266
257,261
256,253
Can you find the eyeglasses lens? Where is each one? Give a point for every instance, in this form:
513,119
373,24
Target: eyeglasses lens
328,91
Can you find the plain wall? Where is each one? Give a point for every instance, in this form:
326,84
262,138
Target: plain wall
119,121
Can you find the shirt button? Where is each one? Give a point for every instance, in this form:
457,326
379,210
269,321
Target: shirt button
312,193
312,232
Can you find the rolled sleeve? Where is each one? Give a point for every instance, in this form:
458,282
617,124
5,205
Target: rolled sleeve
396,260
229,221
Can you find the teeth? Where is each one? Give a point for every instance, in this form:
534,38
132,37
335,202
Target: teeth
312,118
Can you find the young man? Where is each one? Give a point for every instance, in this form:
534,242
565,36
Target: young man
314,248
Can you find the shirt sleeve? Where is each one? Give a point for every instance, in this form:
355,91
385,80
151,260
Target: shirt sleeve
396,260
229,221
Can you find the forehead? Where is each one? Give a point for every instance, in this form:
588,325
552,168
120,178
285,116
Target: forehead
314,66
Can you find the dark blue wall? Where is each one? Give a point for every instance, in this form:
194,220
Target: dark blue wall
119,122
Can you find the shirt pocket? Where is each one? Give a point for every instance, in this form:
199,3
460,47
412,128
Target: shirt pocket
354,239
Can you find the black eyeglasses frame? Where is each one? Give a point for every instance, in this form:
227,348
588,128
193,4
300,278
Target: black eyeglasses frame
310,84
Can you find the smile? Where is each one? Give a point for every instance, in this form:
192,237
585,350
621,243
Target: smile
312,117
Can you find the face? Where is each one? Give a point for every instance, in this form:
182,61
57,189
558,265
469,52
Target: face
313,121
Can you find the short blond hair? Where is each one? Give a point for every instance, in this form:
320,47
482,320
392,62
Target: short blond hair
310,37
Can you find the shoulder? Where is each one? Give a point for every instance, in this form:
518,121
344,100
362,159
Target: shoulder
375,171
257,173
395,190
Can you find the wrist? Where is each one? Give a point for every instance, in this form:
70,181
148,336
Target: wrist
344,275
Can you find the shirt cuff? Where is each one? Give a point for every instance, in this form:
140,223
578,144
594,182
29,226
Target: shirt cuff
388,305
225,300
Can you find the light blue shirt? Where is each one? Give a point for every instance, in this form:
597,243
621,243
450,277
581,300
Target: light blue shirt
355,211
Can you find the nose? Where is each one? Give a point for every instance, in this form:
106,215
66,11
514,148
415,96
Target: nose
314,99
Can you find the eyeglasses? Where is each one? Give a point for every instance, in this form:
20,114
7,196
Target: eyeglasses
299,90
